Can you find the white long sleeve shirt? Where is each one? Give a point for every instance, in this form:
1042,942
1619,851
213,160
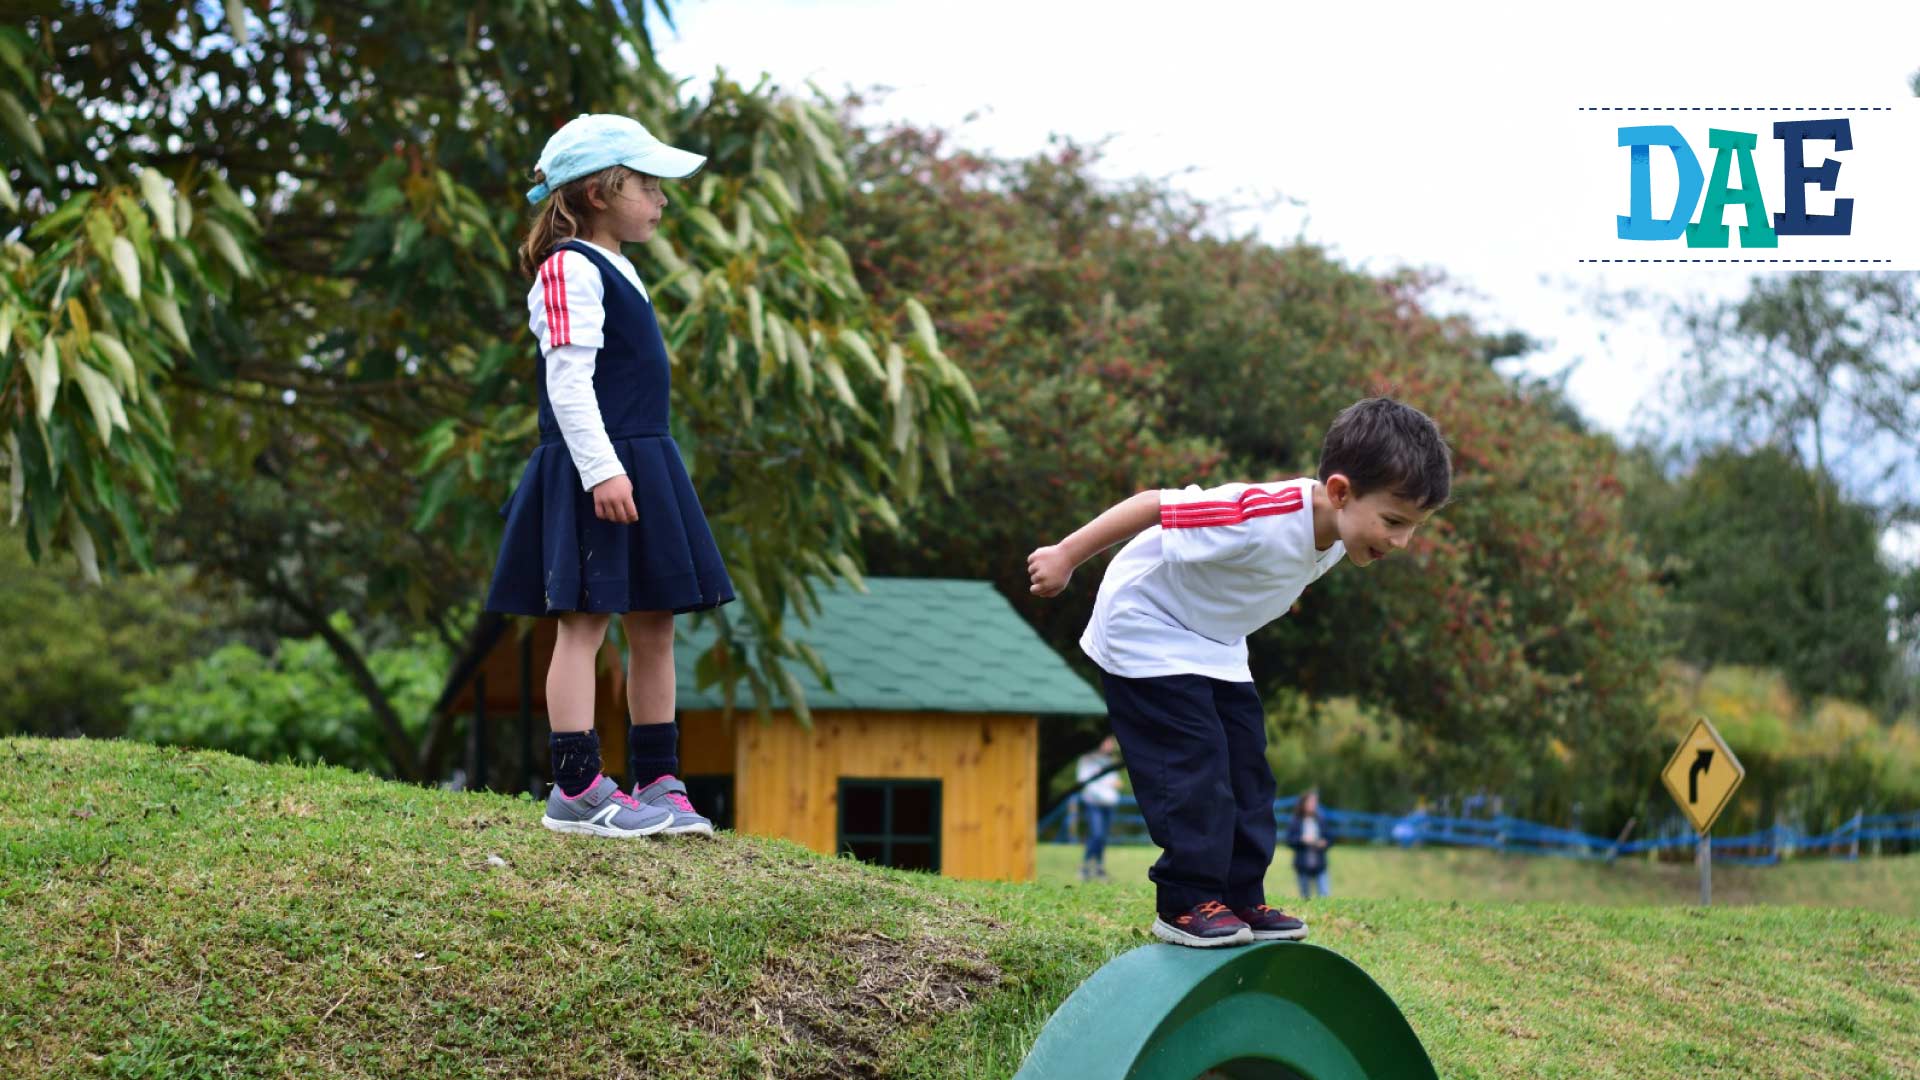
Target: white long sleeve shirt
567,313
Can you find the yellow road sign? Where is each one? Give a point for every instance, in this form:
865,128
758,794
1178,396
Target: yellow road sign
1702,775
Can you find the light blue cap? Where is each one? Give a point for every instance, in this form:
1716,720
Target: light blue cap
591,142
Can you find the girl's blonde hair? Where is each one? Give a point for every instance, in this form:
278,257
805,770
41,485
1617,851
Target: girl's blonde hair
567,212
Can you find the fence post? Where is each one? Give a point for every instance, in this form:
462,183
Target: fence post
1614,851
1703,855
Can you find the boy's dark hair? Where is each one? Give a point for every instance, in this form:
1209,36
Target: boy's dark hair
1380,444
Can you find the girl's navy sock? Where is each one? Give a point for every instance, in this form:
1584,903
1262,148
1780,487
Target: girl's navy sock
653,751
576,759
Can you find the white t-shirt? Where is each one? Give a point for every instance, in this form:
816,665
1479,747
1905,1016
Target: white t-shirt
567,311
1104,791
1181,597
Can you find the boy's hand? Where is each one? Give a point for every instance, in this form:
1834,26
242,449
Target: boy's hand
1048,569
613,500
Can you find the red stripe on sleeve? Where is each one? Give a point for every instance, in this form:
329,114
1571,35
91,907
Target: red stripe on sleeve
553,282
1252,503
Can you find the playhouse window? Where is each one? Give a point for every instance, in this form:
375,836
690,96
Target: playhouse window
712,795
891,822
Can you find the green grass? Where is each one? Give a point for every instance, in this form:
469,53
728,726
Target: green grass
1890,885
194,915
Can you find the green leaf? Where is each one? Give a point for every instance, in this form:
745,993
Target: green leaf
857,345
167,313
896,374
68,211
126,262
777,188
14,50
837,378
799,356
227,199
159,196
17,487
83,549
228,248
710,225
120,362
755,328
405,235
102,399
436,441
936,440
849,570
439,491
14,116
742,226
664,254
790,689
135,219
45,376
237,21
922,327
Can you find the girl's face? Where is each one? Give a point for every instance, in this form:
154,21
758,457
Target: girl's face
631,214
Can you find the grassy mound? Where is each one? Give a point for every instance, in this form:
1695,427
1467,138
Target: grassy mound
178,914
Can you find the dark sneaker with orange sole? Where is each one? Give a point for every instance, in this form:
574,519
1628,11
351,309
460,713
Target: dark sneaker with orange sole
1204,926
1271,924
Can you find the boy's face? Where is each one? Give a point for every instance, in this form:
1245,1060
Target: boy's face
1373,525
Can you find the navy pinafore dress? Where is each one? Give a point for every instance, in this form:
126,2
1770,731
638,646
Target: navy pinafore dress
556,555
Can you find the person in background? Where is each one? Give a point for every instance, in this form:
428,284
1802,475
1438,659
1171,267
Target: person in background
1309,840
1099,794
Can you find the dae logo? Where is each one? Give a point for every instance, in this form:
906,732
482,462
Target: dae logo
1734,150
1800,185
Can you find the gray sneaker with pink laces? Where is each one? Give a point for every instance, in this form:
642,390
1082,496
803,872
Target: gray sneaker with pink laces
668,793
603,810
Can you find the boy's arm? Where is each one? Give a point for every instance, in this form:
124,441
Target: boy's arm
1049,567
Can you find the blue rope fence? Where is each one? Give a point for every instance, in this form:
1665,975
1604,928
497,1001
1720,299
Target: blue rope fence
1510,834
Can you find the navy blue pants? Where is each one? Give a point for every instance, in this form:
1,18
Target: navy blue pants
1196,749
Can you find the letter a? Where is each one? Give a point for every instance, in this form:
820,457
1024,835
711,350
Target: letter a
1640,224
1711,230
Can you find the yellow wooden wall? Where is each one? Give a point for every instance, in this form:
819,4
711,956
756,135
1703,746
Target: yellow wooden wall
786,777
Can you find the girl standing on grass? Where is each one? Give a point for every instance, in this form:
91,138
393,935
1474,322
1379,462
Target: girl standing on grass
1309,840
604,520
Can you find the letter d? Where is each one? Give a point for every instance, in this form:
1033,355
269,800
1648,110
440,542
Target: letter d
1640,224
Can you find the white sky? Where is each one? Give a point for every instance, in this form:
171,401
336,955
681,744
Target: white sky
1346,124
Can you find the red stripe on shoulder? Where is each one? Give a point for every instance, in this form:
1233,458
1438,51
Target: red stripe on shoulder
1252,503
553,279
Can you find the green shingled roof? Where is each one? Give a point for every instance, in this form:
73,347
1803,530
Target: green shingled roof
918,645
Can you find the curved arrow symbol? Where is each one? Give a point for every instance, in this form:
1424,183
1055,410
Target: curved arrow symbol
1700,764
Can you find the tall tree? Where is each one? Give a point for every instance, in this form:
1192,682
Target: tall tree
270,241
1823,366
1770,565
